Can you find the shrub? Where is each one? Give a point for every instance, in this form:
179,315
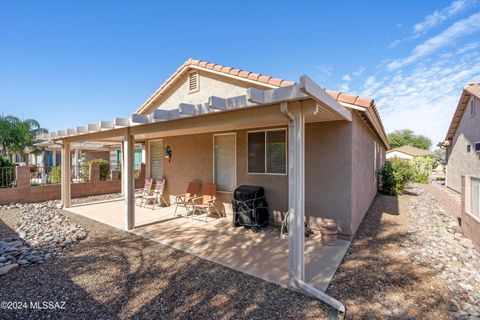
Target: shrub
104,167
7,172
422,167
55,176
4,162
85,172
395,175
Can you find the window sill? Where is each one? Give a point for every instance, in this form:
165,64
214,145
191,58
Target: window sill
474,217
267,174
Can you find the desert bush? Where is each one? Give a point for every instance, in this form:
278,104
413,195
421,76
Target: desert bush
395,174
7,173
422,167
55,175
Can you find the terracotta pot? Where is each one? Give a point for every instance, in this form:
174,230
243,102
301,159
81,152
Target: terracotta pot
328,232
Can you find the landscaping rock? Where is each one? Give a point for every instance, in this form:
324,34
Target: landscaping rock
42,230
431,243
8,268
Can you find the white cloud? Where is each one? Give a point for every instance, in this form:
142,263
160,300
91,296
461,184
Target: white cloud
424,98
394,44
347,78
433,20
437,17
324,73
458,29
468,47
344,87
359,71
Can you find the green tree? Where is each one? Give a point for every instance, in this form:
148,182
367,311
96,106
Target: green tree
17,135
399,138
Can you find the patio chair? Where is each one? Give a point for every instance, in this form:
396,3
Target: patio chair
185,200
157,195
147,190
206,203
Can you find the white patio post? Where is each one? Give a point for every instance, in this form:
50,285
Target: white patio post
66,175
76,163
122,154
128,180
54,158
296,188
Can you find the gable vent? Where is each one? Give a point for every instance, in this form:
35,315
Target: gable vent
194,82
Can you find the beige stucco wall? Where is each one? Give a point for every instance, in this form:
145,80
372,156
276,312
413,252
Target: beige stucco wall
460,162
364,185
328,171
210,85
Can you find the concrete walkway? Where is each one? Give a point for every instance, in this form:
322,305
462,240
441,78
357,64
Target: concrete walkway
263,254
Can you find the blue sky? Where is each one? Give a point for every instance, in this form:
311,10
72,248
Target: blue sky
69,63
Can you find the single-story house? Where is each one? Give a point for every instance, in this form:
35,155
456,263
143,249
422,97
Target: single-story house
315,152
462,144
407,152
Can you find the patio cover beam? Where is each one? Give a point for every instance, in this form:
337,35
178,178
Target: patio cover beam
308,86
97,135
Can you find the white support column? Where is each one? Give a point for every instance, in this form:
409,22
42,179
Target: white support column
54,158
122,161
128,181
296,191
66,173
147,159
76,164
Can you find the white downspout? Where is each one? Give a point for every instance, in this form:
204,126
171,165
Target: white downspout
296,203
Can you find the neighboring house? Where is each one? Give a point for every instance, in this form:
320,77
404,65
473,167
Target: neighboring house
462,145
115,156
407,152
235,127
81,153
462,142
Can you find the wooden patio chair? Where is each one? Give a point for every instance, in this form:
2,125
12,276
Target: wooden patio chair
185,200
147,190
206,203
156,197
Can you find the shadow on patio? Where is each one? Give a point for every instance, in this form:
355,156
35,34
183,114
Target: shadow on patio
263,254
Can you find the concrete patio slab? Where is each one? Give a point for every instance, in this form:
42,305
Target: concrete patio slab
263,254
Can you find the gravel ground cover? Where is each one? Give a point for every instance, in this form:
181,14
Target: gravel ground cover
407,261
117,275
41,232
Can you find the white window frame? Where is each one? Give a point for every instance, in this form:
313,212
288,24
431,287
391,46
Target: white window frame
475,147
213,156
286,152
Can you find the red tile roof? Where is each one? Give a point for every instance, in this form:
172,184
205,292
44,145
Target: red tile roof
264,79
240,73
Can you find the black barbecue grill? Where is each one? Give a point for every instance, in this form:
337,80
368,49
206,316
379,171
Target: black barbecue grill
250,208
